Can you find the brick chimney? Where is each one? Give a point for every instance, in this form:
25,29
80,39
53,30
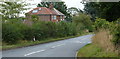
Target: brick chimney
51,6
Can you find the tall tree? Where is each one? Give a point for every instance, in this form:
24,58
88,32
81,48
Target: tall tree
61,6
83,20
11,9
106,10
89,9
73,11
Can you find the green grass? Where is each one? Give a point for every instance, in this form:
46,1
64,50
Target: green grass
92,50
31,43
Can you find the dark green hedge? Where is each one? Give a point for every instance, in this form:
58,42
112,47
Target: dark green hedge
12,32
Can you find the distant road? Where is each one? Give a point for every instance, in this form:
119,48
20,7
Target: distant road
63,48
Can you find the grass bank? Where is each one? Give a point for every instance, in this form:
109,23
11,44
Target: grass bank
31,43
92,50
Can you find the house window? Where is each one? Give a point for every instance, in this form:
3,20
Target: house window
34,11
54,17
61,18
39,8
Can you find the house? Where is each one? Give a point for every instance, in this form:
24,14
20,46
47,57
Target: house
46,14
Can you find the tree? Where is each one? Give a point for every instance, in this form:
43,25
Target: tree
90,10
106,10
11,9
83,20
73,11
61,6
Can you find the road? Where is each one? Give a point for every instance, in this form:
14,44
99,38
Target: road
63,48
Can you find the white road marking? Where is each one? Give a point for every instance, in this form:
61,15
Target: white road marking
42,50
84,38
57,46
78,42
34,52
89,42
82,42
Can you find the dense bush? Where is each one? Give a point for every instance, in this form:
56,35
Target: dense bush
40,30
27,32
113,27
101,23
116,32
84,21
50,29
11,33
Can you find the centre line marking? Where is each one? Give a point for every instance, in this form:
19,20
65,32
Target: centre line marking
57,46
84,38
34,52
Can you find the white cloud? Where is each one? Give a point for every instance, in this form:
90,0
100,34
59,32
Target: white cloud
74,3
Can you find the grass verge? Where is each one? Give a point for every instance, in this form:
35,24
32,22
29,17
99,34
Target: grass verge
31,43
92,50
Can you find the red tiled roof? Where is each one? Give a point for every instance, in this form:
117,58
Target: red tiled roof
45,10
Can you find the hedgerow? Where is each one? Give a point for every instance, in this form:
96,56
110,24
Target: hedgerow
40,30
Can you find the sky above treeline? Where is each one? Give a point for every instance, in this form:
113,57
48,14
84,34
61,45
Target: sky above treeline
69,3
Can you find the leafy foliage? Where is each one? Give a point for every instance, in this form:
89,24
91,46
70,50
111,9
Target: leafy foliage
11,33
74,11
104,10
11,9
113,27
40,30
84,21
101,23
116,33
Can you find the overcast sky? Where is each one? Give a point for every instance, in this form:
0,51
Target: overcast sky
69,3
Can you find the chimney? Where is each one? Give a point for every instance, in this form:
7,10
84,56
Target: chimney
51,6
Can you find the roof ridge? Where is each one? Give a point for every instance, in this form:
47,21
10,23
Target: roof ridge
48,10
56,11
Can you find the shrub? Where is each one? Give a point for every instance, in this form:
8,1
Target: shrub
40,30
116,34
51,29
11,33
84,20
113,33
101,23
27,32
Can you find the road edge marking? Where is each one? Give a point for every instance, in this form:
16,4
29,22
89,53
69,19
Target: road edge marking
76,54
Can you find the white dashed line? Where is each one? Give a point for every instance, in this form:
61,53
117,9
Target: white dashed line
42,50
57,46
78,42
34,52
84,38
89,42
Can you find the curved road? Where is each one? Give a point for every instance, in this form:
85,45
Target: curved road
63,48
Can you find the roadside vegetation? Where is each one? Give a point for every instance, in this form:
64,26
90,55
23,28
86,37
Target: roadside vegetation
18,32
15,33
106,42
92,50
